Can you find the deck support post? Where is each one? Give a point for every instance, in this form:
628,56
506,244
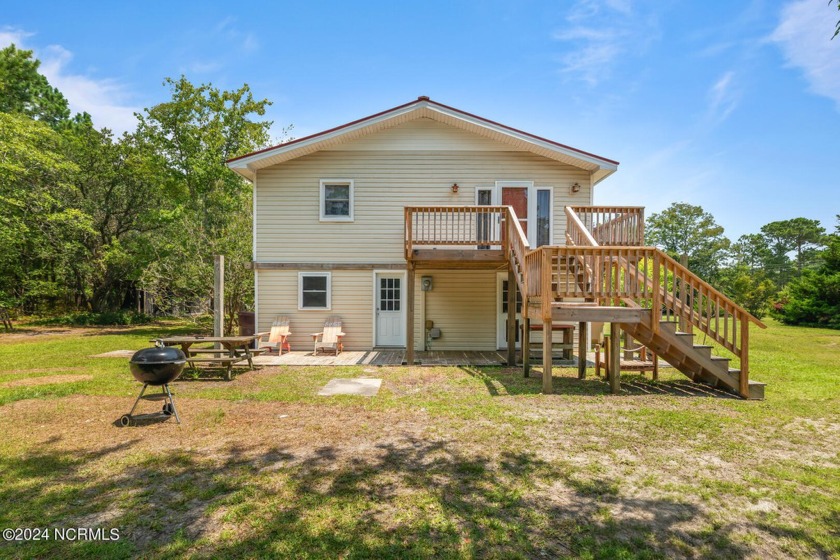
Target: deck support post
582,350
511,317
615,359
526,340
628,344
547,387
744,376
409,316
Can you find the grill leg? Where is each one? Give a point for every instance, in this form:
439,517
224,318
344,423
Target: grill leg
143,390
175,410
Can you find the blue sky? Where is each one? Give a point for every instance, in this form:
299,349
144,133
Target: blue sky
734,106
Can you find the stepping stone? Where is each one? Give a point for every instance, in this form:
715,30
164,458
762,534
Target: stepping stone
360,387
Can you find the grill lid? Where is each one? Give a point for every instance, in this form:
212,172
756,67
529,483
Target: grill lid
156,355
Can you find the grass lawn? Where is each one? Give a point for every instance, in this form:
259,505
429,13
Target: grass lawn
445,462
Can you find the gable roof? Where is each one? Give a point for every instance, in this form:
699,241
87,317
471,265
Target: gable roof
599,167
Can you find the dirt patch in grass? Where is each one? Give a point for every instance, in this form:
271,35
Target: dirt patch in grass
30,332
115,354
40,370
44,380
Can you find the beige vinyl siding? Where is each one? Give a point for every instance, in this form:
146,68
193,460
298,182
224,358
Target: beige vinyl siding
352,300
462,305
288,228
423,134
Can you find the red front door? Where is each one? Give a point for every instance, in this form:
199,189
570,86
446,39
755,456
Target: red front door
518,198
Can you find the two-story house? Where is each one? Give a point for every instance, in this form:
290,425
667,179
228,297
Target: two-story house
412,225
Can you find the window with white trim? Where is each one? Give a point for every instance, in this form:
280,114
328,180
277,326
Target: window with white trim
543,222
314,290
336,200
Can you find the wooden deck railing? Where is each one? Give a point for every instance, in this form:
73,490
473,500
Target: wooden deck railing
459,226
612,225
482,227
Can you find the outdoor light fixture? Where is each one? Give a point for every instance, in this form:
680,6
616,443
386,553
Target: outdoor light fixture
455,187
576,187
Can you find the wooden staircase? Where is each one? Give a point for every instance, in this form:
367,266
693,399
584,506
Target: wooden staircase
647,287
694,360
606,270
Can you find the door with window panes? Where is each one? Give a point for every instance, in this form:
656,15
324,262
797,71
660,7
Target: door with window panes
390,319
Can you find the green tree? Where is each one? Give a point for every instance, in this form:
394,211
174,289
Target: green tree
686,229
33,169
118,191
813,299
749,288
24,90
800,235
752,251
194,133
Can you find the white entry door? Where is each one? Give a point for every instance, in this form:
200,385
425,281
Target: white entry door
390,309
501,305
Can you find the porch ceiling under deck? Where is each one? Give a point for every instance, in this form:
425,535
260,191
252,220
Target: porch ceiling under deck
467,259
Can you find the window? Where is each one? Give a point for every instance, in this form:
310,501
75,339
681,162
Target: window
543,217
336,200
314,290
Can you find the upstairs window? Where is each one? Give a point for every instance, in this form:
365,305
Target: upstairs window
336,200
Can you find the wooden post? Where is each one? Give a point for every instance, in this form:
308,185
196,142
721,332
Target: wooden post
744,377
685,299
615,358
628,343
526,340
547,388
218,295
409,317
657,296
511,317
582,350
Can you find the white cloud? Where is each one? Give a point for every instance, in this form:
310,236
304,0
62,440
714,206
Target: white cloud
11,35
599,33
105,99
723,98
804,36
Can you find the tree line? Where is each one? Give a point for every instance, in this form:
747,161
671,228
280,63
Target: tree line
790,269
88,221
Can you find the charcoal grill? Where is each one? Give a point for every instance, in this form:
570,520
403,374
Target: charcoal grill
158,367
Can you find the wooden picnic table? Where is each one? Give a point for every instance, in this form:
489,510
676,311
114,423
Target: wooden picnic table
235,349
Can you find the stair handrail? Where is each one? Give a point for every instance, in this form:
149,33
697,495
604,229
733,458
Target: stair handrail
516,247
577,234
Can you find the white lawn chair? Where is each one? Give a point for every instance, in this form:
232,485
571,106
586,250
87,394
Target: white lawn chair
278,338
329,340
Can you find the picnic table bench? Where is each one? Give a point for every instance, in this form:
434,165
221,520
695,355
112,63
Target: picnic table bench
234,350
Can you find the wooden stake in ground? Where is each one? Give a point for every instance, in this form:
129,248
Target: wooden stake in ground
218,295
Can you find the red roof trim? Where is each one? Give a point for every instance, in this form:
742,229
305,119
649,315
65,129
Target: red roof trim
420,100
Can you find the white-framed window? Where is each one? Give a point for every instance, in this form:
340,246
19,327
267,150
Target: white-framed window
336,200
544,213
314,290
